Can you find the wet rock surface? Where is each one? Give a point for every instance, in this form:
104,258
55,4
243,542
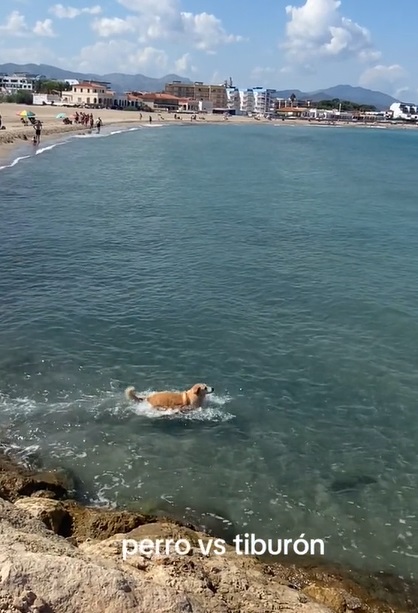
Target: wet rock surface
69,559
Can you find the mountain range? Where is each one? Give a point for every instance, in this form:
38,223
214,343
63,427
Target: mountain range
139,82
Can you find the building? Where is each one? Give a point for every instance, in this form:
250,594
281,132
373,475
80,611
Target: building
199,91
16,82
246,101
264,100
162,101
233,99
89,93
406,111
42,99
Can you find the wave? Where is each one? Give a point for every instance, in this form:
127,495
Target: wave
48,148
15,161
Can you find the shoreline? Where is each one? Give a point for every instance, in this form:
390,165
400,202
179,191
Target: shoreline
52,498
18,137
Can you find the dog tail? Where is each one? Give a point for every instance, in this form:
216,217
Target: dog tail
130,394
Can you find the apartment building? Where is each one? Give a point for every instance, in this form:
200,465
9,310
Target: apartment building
199,91
233,99
264,100
246,101
16,82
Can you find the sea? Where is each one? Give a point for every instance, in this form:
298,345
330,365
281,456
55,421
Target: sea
277,264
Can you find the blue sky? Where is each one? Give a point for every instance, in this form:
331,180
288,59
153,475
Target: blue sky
307,44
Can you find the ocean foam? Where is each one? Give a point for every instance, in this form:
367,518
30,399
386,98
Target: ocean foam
15,161
114,403
48,148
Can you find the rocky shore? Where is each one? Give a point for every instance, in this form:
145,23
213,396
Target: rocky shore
59,556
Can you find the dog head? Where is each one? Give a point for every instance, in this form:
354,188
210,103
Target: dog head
198,392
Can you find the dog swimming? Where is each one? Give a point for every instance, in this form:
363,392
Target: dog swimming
187,400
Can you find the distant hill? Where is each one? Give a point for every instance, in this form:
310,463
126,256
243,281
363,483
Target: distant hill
139,82
120,82
359,95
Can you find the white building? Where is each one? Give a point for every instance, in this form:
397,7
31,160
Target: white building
42,99
264,100
233,99
205,106
246,101
16,82
400,110
257,100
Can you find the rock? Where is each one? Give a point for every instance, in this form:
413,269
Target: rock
17,481
58,578
99,523
329,596
223,583
51,512
69,519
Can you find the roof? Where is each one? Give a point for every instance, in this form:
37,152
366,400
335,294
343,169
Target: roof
293,109
158,96
89,84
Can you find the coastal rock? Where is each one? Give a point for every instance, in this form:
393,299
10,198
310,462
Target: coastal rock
97,523
17,481
330,596
223,583
50,512
69,519
60,574
59,578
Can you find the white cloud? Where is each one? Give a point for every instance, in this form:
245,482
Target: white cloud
207,31
387,78
15,25
184,66
107,27
70,12
38,54
263,75
123,56
165,21
44,28
317,30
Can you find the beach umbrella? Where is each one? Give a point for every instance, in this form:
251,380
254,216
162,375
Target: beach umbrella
61,116
26,114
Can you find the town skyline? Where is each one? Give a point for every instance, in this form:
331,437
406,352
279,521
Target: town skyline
309,45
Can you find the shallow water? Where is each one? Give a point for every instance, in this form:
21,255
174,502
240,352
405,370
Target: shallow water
279,266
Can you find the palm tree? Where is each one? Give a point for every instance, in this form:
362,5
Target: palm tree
292,99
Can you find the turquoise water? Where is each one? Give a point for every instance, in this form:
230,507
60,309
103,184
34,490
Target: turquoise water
277,264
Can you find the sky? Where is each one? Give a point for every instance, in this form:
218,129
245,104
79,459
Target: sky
308,45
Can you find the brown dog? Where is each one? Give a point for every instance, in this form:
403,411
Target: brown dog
182,401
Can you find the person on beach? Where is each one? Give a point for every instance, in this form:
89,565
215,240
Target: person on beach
98,125
0,121
38,130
